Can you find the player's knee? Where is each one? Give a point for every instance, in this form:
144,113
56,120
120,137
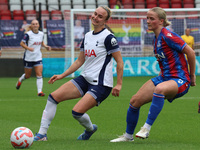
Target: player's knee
136,101
27,76
159,89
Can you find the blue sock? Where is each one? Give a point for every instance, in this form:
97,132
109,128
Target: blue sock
132,119
155,108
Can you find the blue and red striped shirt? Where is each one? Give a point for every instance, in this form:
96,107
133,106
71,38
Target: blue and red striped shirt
168,51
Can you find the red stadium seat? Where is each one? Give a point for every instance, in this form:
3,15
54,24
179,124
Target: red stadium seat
188,5
45,15
56,15
31,14
112,2
3,2
164,5
176,5
179,14
6,18
5,13
192,13
3,6
126,2
18,15
151,5
188,1
139,1
129,6
151,2
139,6
163,1
176,1
81,17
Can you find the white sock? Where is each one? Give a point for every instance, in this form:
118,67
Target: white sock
39,83
48,115
85,121
147,126
22,78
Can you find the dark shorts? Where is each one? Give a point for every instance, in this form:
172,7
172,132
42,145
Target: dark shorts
31,64
183,86
99,92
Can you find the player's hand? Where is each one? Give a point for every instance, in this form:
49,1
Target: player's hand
193,80
54,78
48,48
116,90
31,49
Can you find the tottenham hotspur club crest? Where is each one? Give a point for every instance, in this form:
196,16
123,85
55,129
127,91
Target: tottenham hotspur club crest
113,42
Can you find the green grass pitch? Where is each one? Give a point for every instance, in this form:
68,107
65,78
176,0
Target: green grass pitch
176,128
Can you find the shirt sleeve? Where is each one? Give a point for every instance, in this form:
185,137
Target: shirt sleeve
82,45
111,44
174,41
26,38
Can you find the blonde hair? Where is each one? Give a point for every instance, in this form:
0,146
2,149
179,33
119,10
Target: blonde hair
28,28
107,9
161,15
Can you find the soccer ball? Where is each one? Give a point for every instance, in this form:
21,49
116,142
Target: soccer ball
21,137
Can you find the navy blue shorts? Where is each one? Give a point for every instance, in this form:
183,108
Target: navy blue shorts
31,64
183,86
99,92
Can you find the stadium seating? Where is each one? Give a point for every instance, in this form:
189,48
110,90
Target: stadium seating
3,5
151,5
6,15
140,6
128,6
187,5
192,13
127,2
28,7
139,1
56,15
151,2
88,6
18,15
31,14
15,7
65,7
102,2
176,5
164,5
45,15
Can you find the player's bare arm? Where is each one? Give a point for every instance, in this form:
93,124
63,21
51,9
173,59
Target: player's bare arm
26,47
118,58
192,63
75,66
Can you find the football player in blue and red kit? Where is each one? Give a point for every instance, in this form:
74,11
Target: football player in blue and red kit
173,81
95,83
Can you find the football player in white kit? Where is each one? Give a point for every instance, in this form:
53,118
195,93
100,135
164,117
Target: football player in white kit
32,42
96,80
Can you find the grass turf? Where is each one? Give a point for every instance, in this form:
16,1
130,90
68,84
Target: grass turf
177,126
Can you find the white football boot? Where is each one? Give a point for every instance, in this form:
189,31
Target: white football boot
143,133
122,138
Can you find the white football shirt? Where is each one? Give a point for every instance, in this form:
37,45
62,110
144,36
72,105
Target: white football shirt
33,40
98,49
